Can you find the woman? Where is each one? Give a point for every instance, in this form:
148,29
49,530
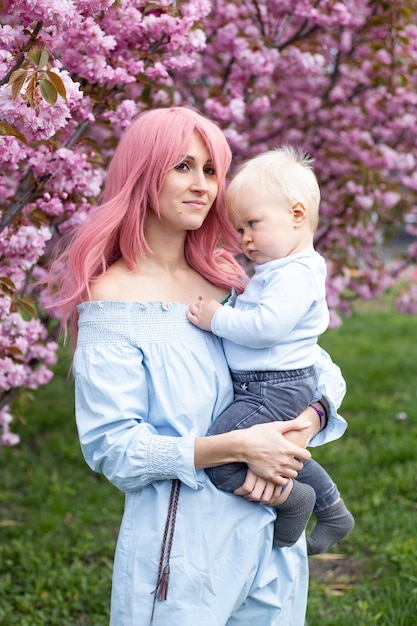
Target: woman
149,385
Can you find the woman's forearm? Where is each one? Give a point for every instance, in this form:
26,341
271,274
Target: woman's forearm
317,423
218,449
262,447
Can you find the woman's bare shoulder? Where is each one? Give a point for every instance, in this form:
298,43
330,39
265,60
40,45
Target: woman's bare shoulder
114,285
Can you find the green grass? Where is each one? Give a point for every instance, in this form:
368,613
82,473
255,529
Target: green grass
59,521
374,580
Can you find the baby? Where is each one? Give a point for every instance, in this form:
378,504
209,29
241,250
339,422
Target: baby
270,332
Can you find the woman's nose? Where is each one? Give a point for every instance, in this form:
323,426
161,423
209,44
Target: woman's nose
199,182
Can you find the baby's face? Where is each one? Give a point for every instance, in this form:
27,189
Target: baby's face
265,223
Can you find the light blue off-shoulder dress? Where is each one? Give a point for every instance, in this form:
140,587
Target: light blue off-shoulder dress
147,383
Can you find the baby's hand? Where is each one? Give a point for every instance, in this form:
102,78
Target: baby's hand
202,313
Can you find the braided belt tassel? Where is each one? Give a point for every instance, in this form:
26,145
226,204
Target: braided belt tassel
161,589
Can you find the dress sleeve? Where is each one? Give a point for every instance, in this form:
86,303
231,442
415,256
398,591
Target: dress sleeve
111,399
331,385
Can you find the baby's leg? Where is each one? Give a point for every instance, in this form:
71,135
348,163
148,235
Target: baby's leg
231,476
333,524
294,513
262,397
334,521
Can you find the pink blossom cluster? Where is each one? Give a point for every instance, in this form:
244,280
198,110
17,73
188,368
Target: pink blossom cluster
407,300
20,249
334,78
27,356
7,437
113,60
57,15
24,344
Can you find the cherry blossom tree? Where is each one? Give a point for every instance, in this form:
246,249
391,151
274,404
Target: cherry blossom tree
339,80
335,78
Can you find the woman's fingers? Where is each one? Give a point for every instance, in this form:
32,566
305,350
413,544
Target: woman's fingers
256,489
270,456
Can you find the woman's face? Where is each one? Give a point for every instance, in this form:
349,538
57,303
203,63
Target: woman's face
189,189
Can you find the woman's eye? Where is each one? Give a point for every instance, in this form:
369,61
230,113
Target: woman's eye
182,167
209,170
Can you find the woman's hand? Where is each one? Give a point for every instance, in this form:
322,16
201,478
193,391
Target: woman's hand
270,455
263,448
256,489
303,437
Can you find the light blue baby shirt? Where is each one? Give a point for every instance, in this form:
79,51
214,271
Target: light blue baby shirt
147,383
275,323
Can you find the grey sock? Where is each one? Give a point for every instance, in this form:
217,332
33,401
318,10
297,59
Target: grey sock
293,514
333,524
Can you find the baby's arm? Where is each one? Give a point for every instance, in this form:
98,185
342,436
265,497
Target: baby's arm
202,313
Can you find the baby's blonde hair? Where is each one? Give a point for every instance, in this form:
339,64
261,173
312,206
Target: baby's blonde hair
286,170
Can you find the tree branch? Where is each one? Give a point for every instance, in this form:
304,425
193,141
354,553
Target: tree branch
21,56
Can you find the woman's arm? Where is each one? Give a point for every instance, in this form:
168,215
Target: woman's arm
303,437
111,393
264,448
117,439
302,429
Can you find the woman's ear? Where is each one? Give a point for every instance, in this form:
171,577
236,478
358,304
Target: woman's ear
298,214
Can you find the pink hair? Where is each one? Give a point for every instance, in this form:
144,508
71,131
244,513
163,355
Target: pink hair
153,144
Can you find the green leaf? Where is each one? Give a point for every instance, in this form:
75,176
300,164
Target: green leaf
17,80
48,91
26,305
6,291
151,6
4,280
39,57
31,89
6,129
146,94
38,218
7,286
13,351
59,85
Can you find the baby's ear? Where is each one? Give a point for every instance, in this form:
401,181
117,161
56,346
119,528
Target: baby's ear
298,213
